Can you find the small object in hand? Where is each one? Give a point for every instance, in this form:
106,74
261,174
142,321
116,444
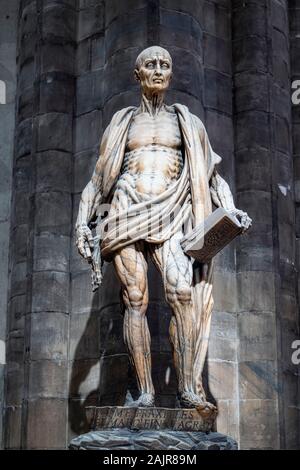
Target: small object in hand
96,263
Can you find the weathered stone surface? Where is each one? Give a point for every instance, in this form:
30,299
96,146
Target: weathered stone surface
84,164
128,30
251,91
16,311
26,72
24,136
113,387
152,440
252,127
13,416
216,91
55,132
84,375
53,211
216,53
26,103
91,21
88,131
84,336
48,337
223,339
51,291
223,379
124,80
59,22
51,411
250,54
179,30
195,10
254,416
220,142
258,380
228,419
254,162
55,58
53,171
48,379
51,253
15,375
255,332
89,92
56,93
216,20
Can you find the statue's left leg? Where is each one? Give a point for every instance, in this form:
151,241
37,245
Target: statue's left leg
177,272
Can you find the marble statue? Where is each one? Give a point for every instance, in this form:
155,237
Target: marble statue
156,161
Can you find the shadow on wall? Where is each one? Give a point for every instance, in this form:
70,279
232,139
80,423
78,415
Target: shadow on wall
100,378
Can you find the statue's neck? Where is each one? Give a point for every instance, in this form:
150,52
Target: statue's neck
152,104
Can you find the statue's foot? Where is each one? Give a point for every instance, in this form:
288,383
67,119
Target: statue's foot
192,400
145,400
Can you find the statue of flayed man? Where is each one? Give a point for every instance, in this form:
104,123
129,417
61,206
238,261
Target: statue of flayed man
156,160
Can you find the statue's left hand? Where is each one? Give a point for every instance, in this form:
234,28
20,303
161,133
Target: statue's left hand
84,241
243,219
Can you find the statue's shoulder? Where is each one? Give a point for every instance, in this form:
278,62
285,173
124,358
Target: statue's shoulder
184,111
123,113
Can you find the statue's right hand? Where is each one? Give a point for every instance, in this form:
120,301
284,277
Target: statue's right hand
84,241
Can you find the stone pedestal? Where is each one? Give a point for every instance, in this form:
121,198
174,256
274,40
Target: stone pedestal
134,428
128,439
138,418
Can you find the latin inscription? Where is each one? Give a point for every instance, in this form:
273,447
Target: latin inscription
150,418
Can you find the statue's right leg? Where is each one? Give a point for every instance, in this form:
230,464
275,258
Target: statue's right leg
131,267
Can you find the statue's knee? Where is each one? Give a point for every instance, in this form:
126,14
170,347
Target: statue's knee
135,297
184,293
180,294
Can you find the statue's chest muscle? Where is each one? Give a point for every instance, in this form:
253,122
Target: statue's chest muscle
162,130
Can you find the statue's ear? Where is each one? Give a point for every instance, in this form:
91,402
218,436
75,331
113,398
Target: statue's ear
136,75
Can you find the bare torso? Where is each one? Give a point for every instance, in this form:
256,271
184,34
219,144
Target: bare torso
153,158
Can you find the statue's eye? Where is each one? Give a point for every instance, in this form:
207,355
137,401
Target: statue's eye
165,65
150,65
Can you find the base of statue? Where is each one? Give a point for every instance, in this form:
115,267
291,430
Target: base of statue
151,440
135,418
137,428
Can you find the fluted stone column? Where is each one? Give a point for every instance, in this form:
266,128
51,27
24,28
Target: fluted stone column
222,366
37,393
8,77
266,274
294,17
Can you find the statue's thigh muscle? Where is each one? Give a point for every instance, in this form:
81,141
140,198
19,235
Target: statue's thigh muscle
175,266
131,268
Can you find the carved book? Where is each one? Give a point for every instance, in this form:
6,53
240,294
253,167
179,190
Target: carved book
207,239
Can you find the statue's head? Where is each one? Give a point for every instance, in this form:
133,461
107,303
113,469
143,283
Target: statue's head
153,69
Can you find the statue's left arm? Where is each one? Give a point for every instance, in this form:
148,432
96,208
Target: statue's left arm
219,189
222,197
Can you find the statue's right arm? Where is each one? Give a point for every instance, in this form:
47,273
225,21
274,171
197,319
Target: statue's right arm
89,202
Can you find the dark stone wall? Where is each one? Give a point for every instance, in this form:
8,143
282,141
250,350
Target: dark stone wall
266,272
41,225
65,346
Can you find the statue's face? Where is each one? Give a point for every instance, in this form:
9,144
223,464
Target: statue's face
155,71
